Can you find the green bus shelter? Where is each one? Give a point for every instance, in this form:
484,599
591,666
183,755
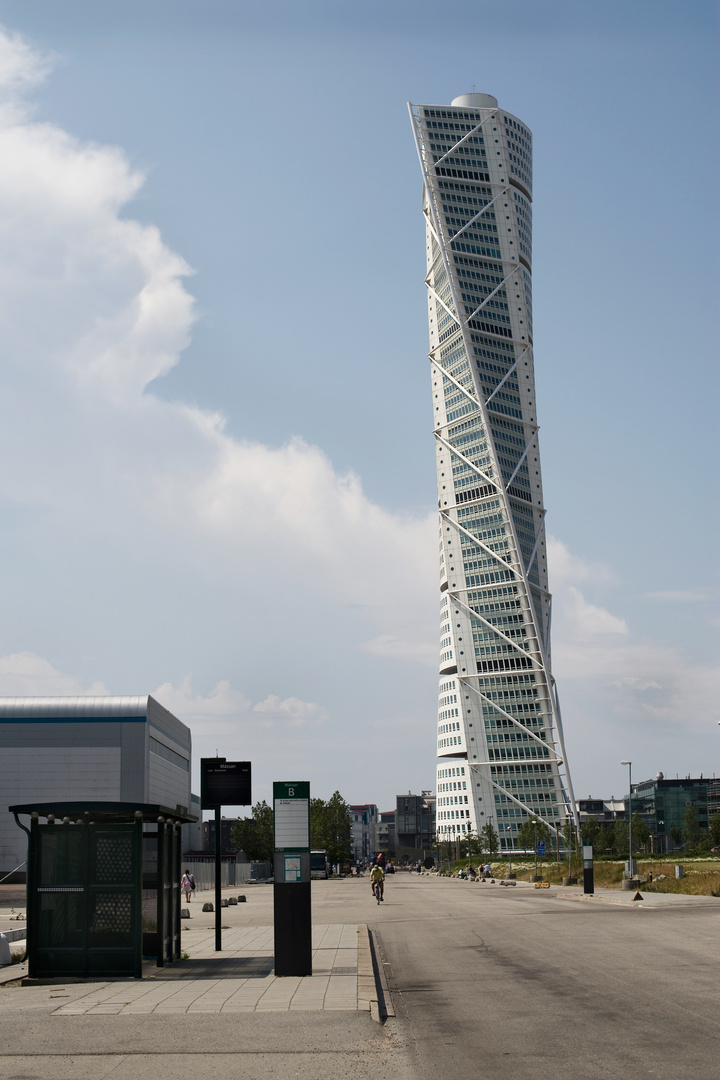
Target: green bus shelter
103,887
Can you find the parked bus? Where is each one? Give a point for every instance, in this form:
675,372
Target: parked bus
319,865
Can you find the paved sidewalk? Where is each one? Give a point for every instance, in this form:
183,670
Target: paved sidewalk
239,979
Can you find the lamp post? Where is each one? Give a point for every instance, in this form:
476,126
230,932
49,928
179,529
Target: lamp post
630,863
535,824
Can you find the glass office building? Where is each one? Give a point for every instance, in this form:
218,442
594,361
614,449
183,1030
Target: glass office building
499,733
662,804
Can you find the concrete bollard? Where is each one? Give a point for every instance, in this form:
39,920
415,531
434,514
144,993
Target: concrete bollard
185,913
223,903
208,907
241,899
232,901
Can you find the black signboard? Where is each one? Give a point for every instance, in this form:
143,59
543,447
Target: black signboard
224,783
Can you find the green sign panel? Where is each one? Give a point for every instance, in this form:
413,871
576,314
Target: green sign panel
291,804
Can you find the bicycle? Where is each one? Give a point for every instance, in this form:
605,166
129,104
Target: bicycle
377,891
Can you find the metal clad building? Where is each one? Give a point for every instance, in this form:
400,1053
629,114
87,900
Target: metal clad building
125,749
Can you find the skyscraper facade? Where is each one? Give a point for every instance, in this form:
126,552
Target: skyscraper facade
500,749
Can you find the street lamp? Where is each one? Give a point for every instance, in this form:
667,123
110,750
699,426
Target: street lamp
630,863
535,824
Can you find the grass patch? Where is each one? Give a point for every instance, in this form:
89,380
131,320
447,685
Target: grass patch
702,874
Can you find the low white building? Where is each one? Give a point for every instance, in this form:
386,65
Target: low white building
105,749
363,821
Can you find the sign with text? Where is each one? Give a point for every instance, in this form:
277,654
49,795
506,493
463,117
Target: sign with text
224,783
291,801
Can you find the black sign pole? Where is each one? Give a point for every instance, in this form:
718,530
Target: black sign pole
218,879
222,783
588,871
291,875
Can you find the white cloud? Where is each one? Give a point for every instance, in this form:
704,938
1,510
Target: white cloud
92,310
21,66
228,709
588,620
222,703
296,711
27,675
563,567
579,619
609,673
418,647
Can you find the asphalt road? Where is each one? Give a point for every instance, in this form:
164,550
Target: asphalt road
486,981
500,982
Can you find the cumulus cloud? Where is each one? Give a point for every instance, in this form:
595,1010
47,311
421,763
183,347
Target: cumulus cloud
27,675
22,67
296,711
607,671
227,707
93,308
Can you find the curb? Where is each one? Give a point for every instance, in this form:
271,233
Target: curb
384,1005
366,991
372,989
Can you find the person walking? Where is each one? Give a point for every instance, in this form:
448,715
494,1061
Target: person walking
187,884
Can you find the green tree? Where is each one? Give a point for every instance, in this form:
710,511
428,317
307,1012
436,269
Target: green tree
605,839
526,834
318,823
590,831
445,852
256,835
330,827
714,828
489,839
640,831
691,827
621,838
569,834
676,835
473,845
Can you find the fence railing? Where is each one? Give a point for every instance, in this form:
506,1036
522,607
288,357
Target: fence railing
231,873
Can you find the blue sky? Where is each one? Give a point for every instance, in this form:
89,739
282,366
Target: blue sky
217,476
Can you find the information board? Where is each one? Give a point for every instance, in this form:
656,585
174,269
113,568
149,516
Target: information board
293,868
224,783
292,815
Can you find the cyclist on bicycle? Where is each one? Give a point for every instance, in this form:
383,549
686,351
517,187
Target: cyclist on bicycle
377,878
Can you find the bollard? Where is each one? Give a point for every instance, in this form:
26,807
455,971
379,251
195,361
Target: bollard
232,901
208,907
241,899
185,913
223,903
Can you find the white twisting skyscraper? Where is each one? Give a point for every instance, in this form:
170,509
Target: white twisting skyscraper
499,734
